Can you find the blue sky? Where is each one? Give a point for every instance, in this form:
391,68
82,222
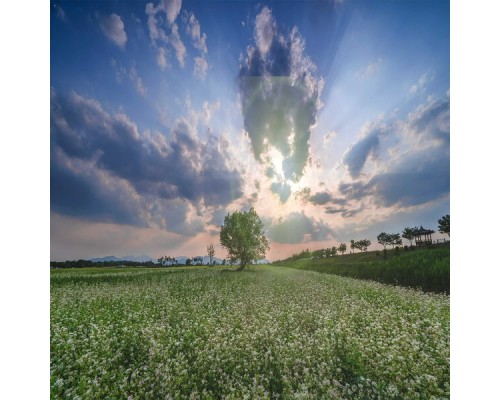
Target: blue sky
331,118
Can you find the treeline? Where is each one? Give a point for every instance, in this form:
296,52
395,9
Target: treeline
426,268
91,264
329,252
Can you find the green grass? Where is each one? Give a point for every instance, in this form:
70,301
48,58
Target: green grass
426,269
267,332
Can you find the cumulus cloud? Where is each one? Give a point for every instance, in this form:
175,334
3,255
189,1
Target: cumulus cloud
298,228
172,8
81,190
357,154
165,37
114,28
111,144
415,180
279,95
418,176
431,120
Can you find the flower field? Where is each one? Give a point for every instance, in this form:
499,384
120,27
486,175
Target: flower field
267,332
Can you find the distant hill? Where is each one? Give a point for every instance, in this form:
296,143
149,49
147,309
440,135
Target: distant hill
142,258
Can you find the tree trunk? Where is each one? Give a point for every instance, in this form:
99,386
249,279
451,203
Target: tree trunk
241,267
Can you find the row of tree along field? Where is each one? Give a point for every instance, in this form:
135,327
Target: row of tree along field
425,268
393,239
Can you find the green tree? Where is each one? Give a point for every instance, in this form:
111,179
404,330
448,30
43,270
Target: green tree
364,244
409,234
353,246
444,224
343,248
384,239
242,235
211,253
188,261
395,239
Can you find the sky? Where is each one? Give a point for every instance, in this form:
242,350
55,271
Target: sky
330,118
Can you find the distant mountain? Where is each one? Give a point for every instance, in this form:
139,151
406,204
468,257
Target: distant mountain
142,258
105,259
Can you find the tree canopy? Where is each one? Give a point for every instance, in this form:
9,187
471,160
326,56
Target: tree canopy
242,235
409,234
444,224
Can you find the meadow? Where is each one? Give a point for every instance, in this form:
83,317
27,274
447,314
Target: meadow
266,332
427,269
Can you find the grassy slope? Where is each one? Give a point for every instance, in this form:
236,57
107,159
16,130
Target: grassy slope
427,269
266,332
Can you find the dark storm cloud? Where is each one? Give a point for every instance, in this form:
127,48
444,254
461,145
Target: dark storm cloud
414,180
279,94
298,228
354,191
320,198
333,210
283,190
358,153
180,167
102,169
85,193
419,176
432,120
78,188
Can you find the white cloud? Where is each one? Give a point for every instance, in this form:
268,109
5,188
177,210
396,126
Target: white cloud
114,28
421,85
180,49
158,34
121,73
137,81
265,29
193,28
371,69
172,8
200,67
60,13
161,58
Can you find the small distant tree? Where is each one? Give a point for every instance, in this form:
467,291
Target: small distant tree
395,240
243,236
211,253
444,224
364,244
353,245
343,248
188,261
333,251
384,239
409,234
